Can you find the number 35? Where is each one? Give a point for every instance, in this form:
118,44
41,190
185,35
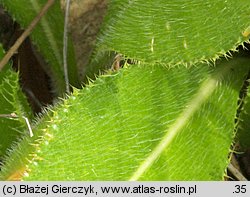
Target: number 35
240,189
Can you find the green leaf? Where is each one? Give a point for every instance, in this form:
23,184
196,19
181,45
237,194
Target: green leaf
12,100
99,64
142,123
177,31
48,37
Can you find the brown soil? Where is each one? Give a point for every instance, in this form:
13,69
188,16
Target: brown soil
86,17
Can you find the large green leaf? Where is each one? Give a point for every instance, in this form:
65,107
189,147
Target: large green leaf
142,123
12,100
48,37
176,31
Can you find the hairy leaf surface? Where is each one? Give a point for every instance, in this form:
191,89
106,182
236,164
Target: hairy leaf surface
12,100
142,123
176,31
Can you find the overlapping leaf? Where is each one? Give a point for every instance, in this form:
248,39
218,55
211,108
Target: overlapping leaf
12,100
176,31
143,123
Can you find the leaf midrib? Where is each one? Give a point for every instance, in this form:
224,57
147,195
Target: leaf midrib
204,92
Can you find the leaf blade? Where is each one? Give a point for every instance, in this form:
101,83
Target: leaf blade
175,32
12,100
109,129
